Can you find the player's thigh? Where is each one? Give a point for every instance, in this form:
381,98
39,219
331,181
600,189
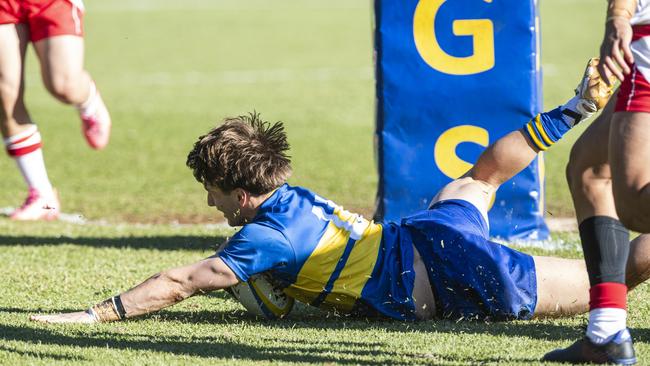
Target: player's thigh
476,192
13,44
62,59
590,150
629,156
562,286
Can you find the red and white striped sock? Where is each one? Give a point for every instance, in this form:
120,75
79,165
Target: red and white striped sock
25,148
607,311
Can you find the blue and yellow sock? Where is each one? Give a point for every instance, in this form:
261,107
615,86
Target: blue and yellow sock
548,128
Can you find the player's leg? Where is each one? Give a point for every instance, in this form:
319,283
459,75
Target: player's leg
21,137
629,152
563,284
60,49
605,240
62,70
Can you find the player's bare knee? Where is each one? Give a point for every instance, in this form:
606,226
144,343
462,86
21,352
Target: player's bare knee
576,167
634,216
63,87
9,93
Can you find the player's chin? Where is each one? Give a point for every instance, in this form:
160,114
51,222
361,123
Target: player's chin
234,221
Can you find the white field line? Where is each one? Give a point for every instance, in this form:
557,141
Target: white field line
279,75
79,219
147,6
549,245
242,77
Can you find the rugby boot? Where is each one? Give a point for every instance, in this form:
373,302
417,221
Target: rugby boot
38,207
593,91
96,124
618,351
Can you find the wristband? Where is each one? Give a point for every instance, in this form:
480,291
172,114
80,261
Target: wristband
108,310
610,18
621,8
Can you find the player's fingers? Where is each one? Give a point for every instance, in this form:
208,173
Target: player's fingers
39,318
604,72
618,57
611,66
627,53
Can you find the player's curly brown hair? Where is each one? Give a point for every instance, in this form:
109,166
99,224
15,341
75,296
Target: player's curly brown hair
244,152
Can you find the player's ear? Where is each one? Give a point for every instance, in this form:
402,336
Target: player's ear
242,196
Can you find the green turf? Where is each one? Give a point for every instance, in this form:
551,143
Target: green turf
168,71
61,267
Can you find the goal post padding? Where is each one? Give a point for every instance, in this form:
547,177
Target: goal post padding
452,77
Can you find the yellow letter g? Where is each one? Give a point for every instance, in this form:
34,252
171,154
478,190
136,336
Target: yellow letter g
481,30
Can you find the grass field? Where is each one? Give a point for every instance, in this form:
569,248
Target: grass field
168,71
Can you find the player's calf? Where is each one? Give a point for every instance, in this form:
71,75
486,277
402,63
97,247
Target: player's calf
42,202
96,121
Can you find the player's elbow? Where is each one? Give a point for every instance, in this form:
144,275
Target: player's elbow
179,285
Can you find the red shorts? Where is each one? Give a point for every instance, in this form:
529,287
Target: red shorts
45,18
634,93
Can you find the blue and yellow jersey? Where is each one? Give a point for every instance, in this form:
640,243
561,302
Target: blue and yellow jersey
326,256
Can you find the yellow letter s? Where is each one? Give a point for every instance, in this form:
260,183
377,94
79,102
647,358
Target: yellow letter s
444,151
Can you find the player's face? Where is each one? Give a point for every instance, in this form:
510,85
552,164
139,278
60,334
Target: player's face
227,203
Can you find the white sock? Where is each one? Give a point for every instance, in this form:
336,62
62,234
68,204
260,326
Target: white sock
577,109
89,107
604,323
25,148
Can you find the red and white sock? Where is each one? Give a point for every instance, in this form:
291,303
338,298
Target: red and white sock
25,148
607,311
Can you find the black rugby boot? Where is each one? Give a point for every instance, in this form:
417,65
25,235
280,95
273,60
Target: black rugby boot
618,351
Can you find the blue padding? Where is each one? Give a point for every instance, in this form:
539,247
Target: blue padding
432,121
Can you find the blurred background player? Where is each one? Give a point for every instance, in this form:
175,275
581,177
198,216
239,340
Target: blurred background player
609,179
55,29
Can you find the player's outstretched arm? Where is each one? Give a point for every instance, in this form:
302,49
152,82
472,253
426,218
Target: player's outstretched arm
512,153
159,291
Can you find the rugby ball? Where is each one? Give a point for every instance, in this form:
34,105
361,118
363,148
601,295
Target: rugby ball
261,297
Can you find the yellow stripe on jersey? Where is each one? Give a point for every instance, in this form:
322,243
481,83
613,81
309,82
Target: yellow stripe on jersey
318,268
358,269
542,132
534,137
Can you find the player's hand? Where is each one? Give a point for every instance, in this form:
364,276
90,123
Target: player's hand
618,36
79,317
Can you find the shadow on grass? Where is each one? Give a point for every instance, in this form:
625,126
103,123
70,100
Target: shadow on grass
321,321
174,242
226,346
323,350
41,355
314,319
209,347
